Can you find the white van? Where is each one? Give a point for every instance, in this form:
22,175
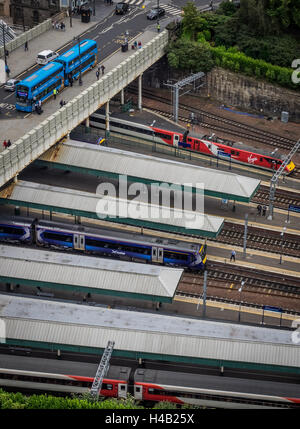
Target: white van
45,57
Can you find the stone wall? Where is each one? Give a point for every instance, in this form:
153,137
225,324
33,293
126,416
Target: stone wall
234,89
252,94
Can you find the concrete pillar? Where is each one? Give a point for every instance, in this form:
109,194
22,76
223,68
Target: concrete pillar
87,122
140,92
122,96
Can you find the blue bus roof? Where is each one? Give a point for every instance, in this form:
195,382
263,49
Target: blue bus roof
39,75
74,52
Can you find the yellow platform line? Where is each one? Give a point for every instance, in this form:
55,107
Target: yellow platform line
235,307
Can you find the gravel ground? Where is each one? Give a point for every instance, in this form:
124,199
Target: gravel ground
289,130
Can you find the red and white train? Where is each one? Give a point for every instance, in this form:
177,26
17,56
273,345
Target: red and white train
151,386
208,145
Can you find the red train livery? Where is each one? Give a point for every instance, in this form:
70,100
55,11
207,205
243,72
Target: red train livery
208,145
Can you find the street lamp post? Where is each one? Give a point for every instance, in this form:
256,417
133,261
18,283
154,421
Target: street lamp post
4,46
281,247
77,38
240,290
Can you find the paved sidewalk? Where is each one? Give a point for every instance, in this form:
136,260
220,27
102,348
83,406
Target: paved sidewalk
19,60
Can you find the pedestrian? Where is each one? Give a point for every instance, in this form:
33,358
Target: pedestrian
102,69
8,143
135,44
140,45
232,256
264,209
6,53
62,103
97,74
54,25
158,27
5,144
54,93
7,70
211,5
259,207
26,46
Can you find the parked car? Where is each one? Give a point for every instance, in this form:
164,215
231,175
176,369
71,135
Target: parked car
46,56
11,84
155,13
121,8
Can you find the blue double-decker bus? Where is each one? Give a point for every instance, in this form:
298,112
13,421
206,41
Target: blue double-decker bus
39,86
82,57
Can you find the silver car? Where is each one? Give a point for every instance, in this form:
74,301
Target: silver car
11,84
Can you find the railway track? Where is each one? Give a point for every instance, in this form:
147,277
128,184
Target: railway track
219,123
260,239
282,197
224,281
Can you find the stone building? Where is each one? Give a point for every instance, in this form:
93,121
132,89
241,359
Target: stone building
31,12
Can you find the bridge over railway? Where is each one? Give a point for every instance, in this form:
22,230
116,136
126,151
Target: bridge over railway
59,124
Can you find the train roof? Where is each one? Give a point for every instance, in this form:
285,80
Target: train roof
146,240
70,271
93,205
31,321
148,169
240,145
62,367
160,377
17,220
215,382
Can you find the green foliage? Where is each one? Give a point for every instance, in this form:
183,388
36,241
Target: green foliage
226,8
236,41
19,401
188,55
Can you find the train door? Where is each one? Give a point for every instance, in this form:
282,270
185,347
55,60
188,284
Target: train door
78,242
158,254
122,390
175,140
138,392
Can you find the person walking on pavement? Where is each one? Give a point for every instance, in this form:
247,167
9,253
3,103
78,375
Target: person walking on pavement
232,256
26,46
102,69
7,70
97,74
259,207
8,143
5,144
158,27
264,209
54,93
